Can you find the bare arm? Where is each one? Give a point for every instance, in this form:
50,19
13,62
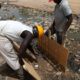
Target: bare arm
70,18
27,36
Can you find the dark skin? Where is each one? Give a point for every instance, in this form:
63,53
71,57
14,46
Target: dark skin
67,25
27,38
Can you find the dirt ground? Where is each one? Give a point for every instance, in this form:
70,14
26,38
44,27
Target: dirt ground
45,4
42,66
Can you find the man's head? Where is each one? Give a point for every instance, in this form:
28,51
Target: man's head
38,31
56,1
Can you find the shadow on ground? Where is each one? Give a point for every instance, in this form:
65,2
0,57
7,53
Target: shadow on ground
5,70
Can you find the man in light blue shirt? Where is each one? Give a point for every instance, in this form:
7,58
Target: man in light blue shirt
62,20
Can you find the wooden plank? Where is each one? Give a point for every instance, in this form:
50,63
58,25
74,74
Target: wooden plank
54,51
28,67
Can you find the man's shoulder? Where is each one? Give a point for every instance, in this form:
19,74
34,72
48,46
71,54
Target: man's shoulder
65,7
64,3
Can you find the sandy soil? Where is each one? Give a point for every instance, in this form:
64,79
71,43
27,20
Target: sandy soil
45,5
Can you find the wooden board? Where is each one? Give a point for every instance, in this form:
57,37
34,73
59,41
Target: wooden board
54,51
30,69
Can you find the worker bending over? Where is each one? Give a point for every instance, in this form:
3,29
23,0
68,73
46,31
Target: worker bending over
23,35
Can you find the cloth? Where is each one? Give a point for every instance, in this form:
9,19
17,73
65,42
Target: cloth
61,11
13,29
8,53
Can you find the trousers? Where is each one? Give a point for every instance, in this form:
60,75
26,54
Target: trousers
8,53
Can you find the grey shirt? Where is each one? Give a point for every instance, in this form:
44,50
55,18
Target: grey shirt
61,11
